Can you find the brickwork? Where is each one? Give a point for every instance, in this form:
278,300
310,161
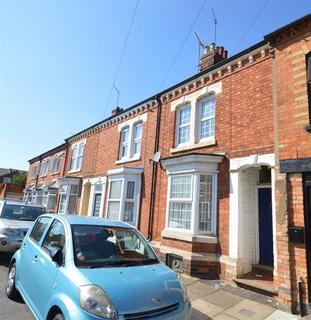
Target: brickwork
291,47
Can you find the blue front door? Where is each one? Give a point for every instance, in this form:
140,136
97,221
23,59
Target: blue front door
265,227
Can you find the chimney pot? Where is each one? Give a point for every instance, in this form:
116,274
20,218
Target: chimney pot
212,54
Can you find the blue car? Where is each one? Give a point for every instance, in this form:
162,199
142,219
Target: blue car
85,268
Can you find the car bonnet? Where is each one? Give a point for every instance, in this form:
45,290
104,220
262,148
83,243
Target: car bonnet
137,289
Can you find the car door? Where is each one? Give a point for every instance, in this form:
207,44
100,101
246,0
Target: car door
29,247
44,269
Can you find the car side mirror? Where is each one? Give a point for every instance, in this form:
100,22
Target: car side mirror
56,255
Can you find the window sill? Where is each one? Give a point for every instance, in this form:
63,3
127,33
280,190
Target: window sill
74,171
43,176
189,237
136,158
54,173
308,128
206,143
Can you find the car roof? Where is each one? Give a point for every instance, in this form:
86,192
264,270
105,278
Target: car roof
8,201
82,220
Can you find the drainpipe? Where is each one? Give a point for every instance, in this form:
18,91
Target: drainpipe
300,291
154,168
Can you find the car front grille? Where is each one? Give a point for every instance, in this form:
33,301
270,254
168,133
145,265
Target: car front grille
151,313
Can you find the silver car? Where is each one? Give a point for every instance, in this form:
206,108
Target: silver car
15,220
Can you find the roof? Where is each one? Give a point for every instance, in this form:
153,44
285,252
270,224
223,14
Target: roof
290,25
82,220
157,95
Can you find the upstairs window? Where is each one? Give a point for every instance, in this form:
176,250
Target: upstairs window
34,170
56,164
44,167
77,156
183,124
207,118
138,129
130,141
125,135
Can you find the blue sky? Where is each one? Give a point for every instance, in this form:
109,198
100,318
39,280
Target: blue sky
58,58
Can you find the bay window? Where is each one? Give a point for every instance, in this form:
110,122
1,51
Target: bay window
124,194
192,211
192,194
69,195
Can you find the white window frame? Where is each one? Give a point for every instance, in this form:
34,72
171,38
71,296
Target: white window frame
74,161
55,167
44,168
178,125
195,194
34,169
125,143
68,183
125,175
194,99
196,165
137,140
201,119
131,124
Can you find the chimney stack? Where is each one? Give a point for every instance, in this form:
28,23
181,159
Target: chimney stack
116,111
212,54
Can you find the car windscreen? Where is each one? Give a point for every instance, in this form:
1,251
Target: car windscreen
21,212
100,246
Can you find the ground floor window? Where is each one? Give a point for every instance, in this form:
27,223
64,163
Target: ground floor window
68,198
191,202
191,194
124,195
49,201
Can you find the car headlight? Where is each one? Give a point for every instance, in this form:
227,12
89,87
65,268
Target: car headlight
11,231
94,300
183,287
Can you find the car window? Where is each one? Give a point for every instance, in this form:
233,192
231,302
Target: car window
39,228
21,212
55,237
101,246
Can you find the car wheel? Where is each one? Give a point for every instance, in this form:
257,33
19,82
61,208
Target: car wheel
11,291
58,316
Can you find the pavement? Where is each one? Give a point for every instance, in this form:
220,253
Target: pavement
213,299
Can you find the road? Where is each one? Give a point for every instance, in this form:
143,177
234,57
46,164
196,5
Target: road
10,310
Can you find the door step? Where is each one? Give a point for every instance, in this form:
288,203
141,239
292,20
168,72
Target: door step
262,268
258,286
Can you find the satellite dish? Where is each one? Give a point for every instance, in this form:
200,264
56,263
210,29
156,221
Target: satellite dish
156,157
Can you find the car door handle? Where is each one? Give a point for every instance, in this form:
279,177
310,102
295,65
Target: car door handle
35,258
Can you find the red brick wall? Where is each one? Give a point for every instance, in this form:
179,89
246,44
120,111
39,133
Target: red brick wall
294,143
244,126
101,153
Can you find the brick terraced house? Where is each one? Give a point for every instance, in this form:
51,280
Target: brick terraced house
215,171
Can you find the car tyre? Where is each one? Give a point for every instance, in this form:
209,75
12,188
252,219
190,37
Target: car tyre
10,288
58,316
